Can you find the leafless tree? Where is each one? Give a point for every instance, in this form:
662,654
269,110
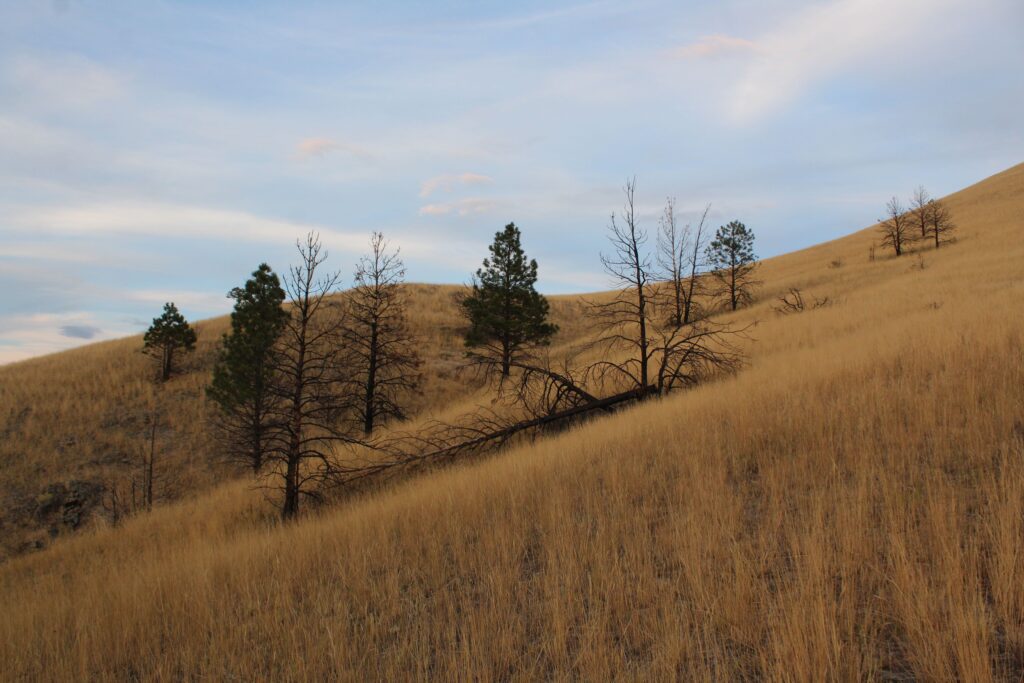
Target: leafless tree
625,318
673,245
895,228
310,382
129,495
642,348
940,222
920,208
679,258
793,302
694,286
385,362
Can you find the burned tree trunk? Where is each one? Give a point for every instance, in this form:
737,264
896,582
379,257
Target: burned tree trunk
385,362
310,381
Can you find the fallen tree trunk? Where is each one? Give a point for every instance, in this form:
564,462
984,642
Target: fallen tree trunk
468,438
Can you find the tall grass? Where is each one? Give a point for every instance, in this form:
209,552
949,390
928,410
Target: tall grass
849,507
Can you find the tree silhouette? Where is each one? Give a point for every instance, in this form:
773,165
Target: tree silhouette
506,315
731,255
311,382
679,257
940,222
895,228
384,358
242,376
168,333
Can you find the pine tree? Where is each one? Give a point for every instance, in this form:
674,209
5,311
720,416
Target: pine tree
168,333
506,314
731,255
241,385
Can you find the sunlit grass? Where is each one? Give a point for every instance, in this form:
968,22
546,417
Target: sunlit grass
849,506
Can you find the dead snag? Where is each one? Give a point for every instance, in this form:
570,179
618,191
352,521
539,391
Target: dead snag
385,362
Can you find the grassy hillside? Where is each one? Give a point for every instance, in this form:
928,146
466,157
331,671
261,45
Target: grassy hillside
849,506
78,419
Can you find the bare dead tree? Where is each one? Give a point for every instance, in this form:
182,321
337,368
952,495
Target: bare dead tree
659,355
310,382
793,302
673,246
920,208
895,228
624,319
129,495
385,362
940,223
679,260
695,283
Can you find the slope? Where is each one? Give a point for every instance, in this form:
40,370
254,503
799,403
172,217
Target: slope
850,506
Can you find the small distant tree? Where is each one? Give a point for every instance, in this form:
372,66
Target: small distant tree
168,333
679,258
507,316
895,228
731,255
242,376
129,495
673,246
385,362
940,222
920,210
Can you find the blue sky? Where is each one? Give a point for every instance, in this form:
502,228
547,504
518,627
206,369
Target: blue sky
160,151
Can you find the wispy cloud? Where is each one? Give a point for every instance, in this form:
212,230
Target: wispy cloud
826,39
714,45
174,221
309,148
447,182
202,302
62,81
463,207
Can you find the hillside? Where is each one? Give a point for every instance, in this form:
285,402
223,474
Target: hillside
848,506
75,422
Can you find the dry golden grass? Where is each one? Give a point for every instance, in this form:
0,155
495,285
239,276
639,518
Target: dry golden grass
848,507
81,414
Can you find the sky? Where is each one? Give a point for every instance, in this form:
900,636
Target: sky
159,151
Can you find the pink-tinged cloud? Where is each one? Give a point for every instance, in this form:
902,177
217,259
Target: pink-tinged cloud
714,45
448,181
463,207
310,148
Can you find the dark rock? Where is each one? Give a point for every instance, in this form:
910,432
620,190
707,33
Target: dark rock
74,501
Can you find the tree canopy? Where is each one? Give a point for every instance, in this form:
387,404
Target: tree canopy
168,333
506,313
242,375
731,255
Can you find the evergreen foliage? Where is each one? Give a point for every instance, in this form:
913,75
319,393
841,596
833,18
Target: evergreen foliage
168,333
506,314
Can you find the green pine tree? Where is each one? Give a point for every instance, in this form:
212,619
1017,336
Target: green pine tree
506,314
168,333
731,255
241,385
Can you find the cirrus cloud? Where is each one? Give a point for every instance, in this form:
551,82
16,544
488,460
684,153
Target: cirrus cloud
317,147
463,207
448,181
714,45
